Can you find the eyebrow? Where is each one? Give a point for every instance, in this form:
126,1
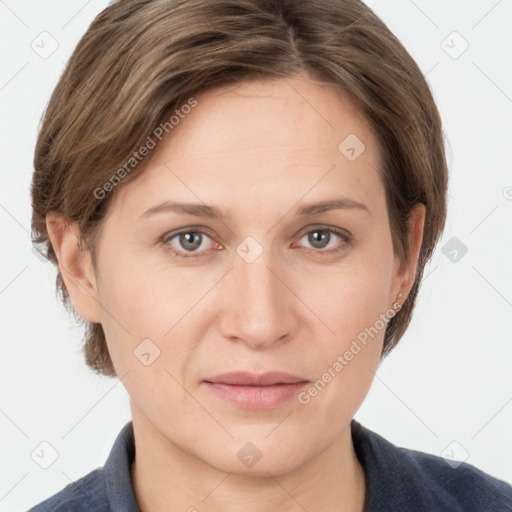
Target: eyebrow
202,210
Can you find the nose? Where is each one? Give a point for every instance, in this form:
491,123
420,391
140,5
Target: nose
259,306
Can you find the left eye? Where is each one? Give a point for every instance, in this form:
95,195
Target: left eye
320,238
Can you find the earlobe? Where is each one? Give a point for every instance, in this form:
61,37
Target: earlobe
75,266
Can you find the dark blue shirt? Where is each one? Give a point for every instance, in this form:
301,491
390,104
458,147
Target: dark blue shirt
397,480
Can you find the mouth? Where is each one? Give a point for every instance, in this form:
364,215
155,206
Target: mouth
252,391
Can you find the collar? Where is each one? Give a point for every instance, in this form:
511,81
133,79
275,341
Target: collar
393,476
117,475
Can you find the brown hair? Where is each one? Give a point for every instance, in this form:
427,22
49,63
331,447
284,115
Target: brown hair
140,60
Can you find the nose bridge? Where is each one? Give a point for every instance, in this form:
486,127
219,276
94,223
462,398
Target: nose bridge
259,306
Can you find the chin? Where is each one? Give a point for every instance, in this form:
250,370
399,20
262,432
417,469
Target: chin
248,460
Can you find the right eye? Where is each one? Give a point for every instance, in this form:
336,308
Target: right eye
189,241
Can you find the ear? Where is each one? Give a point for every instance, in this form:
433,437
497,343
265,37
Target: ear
405,272
75,266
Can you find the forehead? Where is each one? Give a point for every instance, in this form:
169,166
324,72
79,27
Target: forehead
258,139
295,112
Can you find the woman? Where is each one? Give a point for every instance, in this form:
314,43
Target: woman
241,197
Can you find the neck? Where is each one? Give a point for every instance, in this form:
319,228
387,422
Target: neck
167,478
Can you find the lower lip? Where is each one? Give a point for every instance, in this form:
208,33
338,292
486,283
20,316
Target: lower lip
256,397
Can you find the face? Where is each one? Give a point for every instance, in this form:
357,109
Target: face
266,283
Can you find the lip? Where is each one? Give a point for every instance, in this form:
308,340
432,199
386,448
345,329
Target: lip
253,379
253,391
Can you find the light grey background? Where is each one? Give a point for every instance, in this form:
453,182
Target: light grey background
446,389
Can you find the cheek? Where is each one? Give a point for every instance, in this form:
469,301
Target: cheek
151,319
354,305
143,297
348,362
351,299
130,297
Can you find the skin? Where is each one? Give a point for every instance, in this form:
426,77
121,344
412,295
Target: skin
257,151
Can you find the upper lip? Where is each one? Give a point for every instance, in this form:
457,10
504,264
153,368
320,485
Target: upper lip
252,379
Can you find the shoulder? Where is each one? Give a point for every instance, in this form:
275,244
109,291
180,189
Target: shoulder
399,478
103,489
85,494
463,483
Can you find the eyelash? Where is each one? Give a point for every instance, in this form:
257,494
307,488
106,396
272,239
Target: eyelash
346,240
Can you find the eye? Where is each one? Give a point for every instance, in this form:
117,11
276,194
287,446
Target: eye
320,238
187,241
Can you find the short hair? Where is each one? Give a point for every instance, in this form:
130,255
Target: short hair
141,60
